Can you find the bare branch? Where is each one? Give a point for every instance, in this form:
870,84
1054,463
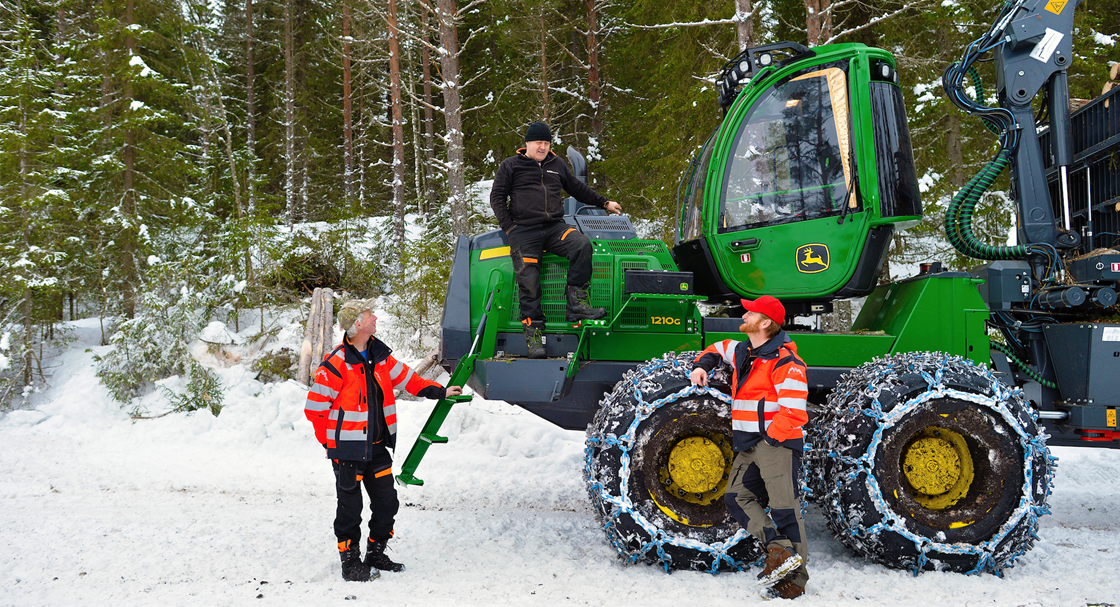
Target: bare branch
875,21
459,13
473,78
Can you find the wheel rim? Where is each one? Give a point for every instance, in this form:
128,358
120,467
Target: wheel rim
938,465
690,466
695,469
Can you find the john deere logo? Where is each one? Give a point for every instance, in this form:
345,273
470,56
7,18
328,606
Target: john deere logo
812,258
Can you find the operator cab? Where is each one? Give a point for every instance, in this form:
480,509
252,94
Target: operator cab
775,202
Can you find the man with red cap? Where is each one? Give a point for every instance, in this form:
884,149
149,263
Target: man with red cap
767,412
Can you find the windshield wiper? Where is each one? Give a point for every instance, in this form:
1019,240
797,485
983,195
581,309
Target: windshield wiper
851,184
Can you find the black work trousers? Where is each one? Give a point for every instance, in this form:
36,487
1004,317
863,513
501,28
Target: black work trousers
377,476
527,245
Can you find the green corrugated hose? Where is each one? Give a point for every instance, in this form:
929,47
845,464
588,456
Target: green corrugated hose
1029,371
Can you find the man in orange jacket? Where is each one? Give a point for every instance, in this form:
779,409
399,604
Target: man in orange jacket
767,412
353,408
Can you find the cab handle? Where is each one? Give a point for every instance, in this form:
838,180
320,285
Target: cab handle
747,244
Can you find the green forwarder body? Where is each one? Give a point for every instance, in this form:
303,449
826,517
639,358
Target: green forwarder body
940,312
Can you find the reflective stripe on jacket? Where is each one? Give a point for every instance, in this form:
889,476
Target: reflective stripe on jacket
347,387
768,384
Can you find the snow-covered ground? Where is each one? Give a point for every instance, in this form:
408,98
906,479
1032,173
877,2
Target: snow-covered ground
192,509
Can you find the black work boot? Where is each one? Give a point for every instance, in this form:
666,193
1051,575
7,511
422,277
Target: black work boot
579,305
376,559
353,569
534,340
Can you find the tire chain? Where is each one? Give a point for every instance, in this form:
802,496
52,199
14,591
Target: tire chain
833,459
648,378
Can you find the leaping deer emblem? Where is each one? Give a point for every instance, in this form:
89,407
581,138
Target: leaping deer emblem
810,258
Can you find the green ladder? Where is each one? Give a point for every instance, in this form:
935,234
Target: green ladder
428,434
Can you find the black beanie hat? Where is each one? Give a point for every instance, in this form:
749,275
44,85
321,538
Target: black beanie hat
538,131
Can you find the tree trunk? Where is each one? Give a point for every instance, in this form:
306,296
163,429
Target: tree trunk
397,106
347,115
128,201
745,26
825,7
813,21
250,129
289,118
317,335
453,114
954,148
544,68
25,211
594,84
429,115
225,128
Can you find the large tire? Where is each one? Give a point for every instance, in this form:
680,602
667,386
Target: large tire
657,461
924,461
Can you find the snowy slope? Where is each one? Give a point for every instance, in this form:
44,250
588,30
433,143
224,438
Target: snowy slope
190,509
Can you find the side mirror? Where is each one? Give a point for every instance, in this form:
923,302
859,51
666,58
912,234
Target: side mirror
579,163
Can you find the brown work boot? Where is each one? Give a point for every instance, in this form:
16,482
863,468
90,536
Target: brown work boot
785,589
534,339
780,562
579,305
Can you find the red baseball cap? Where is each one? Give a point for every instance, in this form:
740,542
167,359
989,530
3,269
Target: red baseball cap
770,306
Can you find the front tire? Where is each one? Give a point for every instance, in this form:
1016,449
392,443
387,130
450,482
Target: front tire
658,457
924,461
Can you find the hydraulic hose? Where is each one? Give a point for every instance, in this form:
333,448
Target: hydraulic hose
1022,365
958,217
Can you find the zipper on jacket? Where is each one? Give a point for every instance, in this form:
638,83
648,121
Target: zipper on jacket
545,191
338,428
762,416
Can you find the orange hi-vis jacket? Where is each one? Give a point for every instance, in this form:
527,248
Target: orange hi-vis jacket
348,386
768,384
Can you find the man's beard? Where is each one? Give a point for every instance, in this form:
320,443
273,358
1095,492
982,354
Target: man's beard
744,328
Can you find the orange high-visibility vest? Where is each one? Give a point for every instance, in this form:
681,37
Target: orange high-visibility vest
771,399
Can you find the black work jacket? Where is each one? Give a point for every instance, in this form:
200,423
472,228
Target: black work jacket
527,192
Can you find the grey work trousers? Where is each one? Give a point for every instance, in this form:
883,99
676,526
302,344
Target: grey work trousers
762,476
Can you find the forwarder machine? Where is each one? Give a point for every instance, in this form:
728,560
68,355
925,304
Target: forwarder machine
932,415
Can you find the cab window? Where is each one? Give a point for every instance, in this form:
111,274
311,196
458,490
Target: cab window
692,209
790,158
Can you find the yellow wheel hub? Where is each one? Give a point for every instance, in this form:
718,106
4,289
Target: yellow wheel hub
696,464
938,466
695,469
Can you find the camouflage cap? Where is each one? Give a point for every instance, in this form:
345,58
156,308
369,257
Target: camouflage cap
351,310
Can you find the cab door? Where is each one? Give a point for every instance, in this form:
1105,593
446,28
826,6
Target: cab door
787,180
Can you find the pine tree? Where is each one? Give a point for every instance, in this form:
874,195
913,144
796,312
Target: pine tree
31,125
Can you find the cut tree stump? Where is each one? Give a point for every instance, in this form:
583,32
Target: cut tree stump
317,335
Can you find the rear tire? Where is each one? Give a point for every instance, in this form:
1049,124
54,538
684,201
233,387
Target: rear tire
657,461
924,461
